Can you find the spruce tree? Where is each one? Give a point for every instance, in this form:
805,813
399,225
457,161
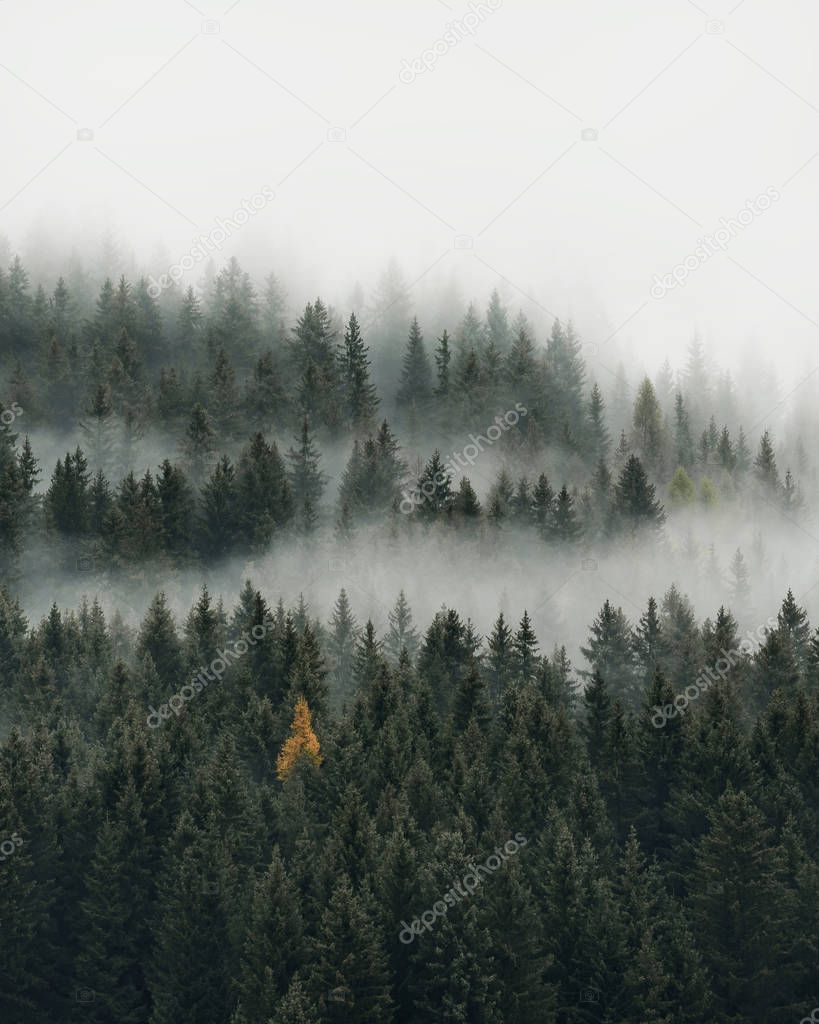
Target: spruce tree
634,499
359,395
401,634
416,375
306,479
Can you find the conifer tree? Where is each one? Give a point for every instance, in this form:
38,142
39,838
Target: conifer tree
401,634
739,885
359,394
500,661
273,948
634,499
564,525
599,437
350,979
341,645
199,446
524,648
416,375
306,479
610,653
765,471
597,705
301,744
648,421
443,357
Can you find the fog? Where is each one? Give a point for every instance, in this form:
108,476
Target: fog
697,109
571,155
480,574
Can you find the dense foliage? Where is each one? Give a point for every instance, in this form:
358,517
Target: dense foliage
240,818
241,405
199,867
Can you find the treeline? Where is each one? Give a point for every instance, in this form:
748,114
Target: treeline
230,364
195,871
201,508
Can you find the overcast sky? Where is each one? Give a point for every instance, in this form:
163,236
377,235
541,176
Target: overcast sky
567,150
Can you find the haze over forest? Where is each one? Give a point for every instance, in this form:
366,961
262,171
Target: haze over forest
409,561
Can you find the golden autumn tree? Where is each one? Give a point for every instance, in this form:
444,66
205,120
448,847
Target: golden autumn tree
302,741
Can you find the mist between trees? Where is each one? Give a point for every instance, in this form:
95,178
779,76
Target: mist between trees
163,435
422,684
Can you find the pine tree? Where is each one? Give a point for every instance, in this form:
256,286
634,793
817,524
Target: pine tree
443,357
597,704
524,648
634,499
219,513
542,503
359,395
198,445
647,641
341,644
648,422
743,454
682,434
306,479
401,635
564,525
610,653
497,323
416,376
741,911
792,620
349,978
273,948
435,488
466,504
765,471
599,437
500,661
740,588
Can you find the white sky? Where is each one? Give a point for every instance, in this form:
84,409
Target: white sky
699,107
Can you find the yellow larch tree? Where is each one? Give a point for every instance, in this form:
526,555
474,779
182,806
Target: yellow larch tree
302,741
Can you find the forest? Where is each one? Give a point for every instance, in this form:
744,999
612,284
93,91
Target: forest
255,806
